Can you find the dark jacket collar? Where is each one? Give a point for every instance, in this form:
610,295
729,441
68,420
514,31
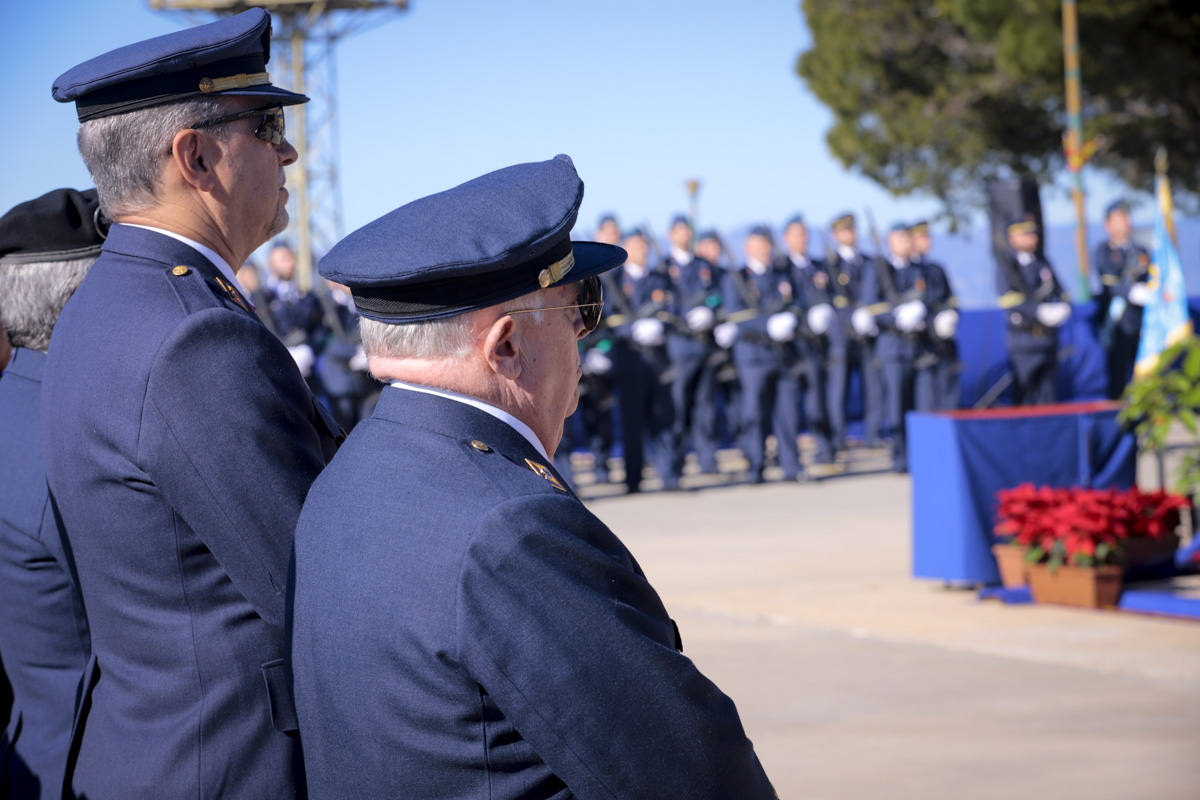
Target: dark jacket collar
134,242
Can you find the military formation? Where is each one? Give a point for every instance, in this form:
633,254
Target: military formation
700,348
209,589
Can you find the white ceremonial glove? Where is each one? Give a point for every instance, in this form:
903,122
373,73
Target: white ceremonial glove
358,361
1140,294
910,316
945,324
863,322
302,354
648,332
700,318
820,317
781,327
1053,315
596,363
726,334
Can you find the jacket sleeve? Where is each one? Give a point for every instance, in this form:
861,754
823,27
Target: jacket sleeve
233,439
557,623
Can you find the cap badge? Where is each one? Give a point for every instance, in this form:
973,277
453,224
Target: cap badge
240,81
544,472
555,272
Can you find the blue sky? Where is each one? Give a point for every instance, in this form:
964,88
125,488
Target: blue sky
643,95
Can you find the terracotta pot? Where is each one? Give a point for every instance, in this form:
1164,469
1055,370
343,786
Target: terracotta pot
1010,560
1087,587
1142,551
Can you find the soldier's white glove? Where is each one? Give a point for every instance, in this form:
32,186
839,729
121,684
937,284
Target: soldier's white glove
945,324
302,354
863,322
1140,294
358,361
700,318
820,317
1053,315
781,327
648,332
910,316
596,363
726,334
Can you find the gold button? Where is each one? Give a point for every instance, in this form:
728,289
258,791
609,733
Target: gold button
480,446
180,270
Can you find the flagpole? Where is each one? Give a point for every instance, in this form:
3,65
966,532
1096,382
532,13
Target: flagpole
1074,138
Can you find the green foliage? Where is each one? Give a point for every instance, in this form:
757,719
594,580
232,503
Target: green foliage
936,96
1169,395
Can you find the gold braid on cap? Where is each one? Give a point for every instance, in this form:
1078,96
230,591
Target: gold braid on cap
555,272
240,81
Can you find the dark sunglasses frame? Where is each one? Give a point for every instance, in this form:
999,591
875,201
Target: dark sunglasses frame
591,303
271,130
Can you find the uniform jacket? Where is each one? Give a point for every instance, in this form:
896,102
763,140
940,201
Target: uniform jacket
814,287
466,628
1038,284
770,293
43,630
627,299
1119,268
183,441
910,284
694,284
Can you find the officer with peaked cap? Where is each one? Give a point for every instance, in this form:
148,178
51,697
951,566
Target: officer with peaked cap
463,625
1037,307
184,437
1123,268
847,267
46,247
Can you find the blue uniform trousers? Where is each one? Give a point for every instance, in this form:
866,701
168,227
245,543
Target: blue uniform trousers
770,403
817,374
646,413
1035,377
693,393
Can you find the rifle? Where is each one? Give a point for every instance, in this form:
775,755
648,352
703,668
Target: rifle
1118,305
988,398
887,278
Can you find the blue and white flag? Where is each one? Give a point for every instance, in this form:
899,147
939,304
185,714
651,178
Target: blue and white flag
1165,319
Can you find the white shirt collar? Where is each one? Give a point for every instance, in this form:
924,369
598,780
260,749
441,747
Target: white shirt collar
680,256
487,408
1024,259
756,266
799,259
635,271
846,252
899,263
221,264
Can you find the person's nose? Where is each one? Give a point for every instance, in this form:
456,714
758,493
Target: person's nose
286,153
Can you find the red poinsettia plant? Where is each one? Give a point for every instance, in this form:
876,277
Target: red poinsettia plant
1084,527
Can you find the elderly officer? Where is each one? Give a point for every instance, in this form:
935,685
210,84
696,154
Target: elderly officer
463,626
697,295
184,437
1123,268
1037,307
46,247
762,320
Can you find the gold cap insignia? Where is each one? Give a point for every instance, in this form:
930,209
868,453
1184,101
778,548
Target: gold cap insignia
242,80
555,272
544,471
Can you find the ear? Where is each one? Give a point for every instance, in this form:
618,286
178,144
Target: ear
502,348
194,156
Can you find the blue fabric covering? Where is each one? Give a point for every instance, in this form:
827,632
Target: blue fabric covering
959,462
1150,601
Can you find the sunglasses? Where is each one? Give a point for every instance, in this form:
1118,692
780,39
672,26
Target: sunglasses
589,301
270,129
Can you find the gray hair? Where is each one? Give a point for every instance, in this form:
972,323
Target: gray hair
447,338
33,294
125,152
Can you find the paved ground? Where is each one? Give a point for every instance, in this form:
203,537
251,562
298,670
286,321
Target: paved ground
856,681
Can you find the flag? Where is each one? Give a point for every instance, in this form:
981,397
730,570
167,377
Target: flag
1165,319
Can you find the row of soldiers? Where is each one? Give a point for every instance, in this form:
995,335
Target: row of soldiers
770,340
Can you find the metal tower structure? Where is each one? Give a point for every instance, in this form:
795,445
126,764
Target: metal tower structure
304,39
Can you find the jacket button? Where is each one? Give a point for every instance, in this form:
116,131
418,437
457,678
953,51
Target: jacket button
180,270
480,446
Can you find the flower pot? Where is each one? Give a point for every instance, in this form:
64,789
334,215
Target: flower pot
1144,551
1086,587
1010,560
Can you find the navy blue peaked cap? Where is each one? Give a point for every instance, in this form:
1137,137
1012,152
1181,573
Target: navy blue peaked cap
794,219
1120,204
491,239
227,57
761,230
680,219
58,226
